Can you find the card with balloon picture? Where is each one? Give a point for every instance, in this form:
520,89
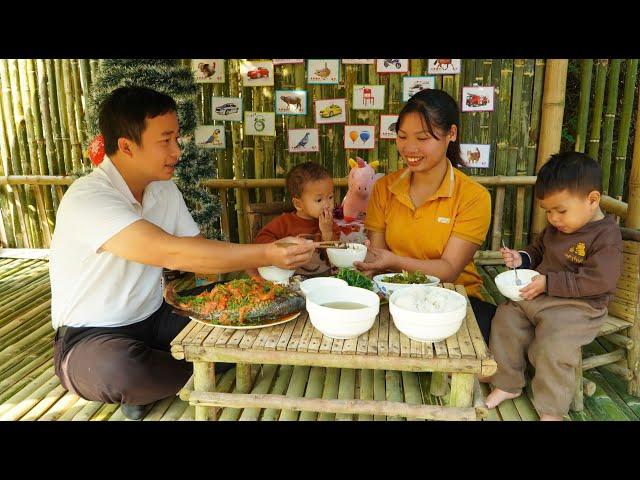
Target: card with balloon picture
360,137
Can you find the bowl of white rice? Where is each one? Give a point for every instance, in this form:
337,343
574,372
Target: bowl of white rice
427,314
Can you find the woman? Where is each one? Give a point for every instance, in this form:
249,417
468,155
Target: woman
430,216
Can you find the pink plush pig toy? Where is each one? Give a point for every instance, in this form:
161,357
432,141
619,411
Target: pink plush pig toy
362,176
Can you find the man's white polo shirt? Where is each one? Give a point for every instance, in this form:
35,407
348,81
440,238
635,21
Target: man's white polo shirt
91,289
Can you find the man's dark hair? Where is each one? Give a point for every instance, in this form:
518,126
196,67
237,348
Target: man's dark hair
124,112
573,171
301,174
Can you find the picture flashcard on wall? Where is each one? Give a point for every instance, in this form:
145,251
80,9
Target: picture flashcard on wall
368,97
477,99
303,140
260,123
226,108
360,137
208,70
210,136
255,74
444,66
324,71
358,61
291,102
412,85
392,65
388,127
475,155
332,110
283,61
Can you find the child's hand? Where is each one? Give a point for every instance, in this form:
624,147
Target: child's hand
326,224
537,286
512,258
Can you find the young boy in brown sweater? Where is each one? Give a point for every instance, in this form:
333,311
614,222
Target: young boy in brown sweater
311,188
579,258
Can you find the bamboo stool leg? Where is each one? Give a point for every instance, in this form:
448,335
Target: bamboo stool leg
633,359
577,405
243,377
439,385
461,390
204,380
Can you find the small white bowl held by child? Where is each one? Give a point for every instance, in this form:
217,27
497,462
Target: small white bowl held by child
275,274
506,282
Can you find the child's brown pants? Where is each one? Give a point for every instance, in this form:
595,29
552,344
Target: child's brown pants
551,330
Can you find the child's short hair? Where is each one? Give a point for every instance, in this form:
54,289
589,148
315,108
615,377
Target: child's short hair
302,174
573,171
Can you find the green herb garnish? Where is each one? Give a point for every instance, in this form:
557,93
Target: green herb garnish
354,278
407,277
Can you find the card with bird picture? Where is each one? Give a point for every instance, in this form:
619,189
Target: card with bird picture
323,71
303,140
210,136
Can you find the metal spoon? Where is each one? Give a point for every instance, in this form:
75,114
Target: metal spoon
515,272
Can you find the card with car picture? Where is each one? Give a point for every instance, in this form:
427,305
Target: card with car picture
291,102
388,127
208,70
332,110
477,99
412,85
323,71
226,108
303,140
360,137
475,155
256,74
260,123
444,66
392,65
210,136
368,97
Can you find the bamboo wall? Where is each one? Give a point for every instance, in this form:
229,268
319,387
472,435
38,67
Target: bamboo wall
43,126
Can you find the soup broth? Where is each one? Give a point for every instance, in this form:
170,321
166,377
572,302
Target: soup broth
344,305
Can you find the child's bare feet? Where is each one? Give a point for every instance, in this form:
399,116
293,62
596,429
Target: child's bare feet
497,396
549,418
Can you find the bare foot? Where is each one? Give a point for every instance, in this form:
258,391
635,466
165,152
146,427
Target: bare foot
549,418
497,396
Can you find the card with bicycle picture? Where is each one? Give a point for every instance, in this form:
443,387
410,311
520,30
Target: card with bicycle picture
392,65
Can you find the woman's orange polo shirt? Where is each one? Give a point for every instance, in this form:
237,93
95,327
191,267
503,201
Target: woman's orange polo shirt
460,207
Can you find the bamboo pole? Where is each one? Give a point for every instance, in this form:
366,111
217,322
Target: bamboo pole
586,74
604,359
204,380
551,124
76,149
63,119
617,188
77,108
596,114
52,104
609,119
9,220
633,215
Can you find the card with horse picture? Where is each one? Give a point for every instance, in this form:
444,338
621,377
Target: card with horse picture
360,137
226,108
331,110
368,97
284,61
475,155
323,71
260,123
256,74
444,66
358,61
291,102
210,136
388,127
208,70
392,65
303,140
412,85
477,99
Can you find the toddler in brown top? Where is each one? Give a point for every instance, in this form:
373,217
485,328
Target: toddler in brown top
311,188
579,258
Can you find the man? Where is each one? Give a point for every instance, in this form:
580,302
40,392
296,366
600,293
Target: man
115,230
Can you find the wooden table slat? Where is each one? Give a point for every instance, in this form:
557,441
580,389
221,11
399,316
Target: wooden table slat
363,343
297,332
316,338
325,344
394,338
474,330
383,333
237,337
262,339
372,343
417,348
274,335
185,331
213,337
464,337
224,337
307,333
249,339
283,341
190,338
349,346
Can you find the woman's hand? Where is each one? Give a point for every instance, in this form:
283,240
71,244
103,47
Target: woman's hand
377,260
326,224
292,256
512,258
537,286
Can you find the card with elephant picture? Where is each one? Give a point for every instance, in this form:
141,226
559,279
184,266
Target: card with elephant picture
303,140
475,155
260,123
291,102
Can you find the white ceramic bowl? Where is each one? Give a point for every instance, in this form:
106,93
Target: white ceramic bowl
313,283
344,257
275,274
340,323
388,288
427,326
506,282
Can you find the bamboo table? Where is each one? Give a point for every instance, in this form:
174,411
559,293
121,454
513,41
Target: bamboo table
463,355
